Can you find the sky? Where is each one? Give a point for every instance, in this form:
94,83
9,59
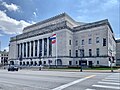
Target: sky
17,14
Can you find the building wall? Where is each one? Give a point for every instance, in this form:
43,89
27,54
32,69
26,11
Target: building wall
69,40
118,52
4,57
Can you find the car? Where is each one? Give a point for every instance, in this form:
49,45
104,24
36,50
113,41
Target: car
12,68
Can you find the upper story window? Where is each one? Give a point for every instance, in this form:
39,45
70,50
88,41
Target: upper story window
90,52
76,53
82,53
97,40
83,42
76,43
97,51
69,42
104,41
90,41
70,53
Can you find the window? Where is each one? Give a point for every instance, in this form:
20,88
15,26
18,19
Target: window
104,41
76,62
24,49
70,62
97,39
70,53
76,43
90,52
97,51
82,42
81,52
44,62
45,46
76,53
90,41
36,43
69,42
97,62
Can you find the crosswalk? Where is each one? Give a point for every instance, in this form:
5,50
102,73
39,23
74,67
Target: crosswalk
111,82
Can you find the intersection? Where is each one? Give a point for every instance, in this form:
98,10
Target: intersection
58,80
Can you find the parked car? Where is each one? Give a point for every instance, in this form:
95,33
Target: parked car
12,68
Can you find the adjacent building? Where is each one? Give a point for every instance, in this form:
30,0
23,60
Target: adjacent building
76,42
3,57
118,52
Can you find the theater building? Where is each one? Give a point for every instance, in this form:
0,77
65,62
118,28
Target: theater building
60,40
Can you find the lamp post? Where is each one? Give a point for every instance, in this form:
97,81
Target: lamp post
81,55
20,59
111,59
40,62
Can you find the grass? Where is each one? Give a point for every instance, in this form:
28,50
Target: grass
93,68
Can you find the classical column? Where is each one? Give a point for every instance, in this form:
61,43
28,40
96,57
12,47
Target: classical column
33,48
18,50
22,49
30,49
26,49
47,46
38,48
42,47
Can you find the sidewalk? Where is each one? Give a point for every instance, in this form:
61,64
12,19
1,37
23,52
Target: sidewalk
74,70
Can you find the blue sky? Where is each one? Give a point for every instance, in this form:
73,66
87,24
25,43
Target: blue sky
17,14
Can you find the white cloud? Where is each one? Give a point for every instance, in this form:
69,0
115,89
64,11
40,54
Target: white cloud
11,7
11,26
34,13
1,35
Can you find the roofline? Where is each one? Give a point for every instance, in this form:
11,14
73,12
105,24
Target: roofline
101,22
117,41
50,19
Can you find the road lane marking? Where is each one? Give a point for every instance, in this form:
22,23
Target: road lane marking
111,80
109,83
89,89
110,87
72,83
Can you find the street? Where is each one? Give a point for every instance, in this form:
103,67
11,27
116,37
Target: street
58,80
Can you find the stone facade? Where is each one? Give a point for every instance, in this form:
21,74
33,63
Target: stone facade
3,57
94,43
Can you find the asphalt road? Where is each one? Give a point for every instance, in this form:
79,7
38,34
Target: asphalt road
58,80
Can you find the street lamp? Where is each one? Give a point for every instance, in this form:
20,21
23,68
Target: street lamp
40,62
20,59
81,55
111,59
